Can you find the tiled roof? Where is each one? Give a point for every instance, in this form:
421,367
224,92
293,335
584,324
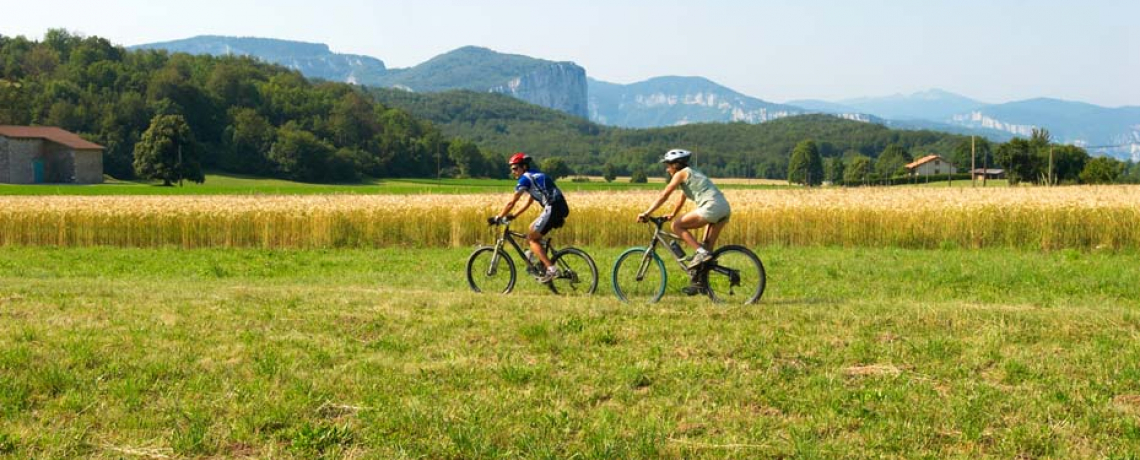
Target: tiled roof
920,161
50,133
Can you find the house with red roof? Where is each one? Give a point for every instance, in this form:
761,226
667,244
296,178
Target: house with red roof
44,154
930,165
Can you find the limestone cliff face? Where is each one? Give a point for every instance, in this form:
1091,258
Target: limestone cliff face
560,86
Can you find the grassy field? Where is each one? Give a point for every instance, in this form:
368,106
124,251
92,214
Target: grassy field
231,184
365,353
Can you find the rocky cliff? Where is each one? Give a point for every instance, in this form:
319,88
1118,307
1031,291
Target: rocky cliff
560,86
670,101
314,60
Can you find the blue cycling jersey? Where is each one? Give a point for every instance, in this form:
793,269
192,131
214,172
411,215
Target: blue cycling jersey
540,186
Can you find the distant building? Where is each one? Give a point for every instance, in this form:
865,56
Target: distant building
42,154
990,173
930,165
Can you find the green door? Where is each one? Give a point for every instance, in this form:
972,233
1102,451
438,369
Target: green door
38,170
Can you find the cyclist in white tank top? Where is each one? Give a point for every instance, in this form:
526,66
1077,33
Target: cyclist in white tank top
712,211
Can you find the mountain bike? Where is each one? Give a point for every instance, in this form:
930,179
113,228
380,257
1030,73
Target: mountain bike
491,269
733,275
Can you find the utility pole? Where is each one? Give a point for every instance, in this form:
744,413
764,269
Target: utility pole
179,168
974,162
1051,181
985,169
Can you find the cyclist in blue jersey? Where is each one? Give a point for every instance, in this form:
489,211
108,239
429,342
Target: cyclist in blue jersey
541,188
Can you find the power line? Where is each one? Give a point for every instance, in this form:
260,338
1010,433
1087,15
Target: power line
1130,144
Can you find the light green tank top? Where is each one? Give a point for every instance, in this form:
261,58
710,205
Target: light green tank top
700,189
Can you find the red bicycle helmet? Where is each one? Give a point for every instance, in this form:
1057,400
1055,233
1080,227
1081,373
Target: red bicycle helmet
518,157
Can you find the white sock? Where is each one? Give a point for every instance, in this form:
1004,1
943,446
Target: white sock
551,269
702,250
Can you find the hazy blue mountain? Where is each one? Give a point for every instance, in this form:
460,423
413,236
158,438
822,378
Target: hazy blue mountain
933,105
817,105
1115,131
671,101
314,60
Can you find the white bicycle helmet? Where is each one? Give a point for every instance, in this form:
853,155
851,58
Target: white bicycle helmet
675,154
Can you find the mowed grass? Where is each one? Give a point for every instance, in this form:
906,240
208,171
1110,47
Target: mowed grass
236,184
382,353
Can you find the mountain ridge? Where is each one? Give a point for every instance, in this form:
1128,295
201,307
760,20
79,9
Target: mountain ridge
675,100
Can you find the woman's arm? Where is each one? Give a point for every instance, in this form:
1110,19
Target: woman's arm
673,184
677,210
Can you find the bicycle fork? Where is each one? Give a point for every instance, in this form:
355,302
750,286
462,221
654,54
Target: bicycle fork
494,266
641,269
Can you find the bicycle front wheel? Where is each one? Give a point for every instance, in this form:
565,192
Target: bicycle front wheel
639,276
735,276
490,271
577,274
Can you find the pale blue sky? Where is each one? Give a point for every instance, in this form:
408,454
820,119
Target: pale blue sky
994,51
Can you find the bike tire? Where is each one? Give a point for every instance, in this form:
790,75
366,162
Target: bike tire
482,277
734,261
626,285
578,274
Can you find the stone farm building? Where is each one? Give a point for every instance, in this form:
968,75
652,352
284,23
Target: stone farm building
41,154
930,165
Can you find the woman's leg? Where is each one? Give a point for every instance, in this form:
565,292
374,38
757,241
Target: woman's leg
712,232
688,222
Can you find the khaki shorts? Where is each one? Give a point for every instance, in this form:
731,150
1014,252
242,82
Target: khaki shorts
714,212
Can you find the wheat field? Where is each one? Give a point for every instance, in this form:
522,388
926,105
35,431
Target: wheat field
1105,217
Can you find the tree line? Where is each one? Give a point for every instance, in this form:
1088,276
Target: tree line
1037,160
501,123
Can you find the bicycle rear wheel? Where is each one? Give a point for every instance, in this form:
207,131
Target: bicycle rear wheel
735,276
639,276
487,273
577,273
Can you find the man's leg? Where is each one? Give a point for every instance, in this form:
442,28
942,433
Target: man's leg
535,240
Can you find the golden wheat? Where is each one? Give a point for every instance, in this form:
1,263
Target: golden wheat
1046,218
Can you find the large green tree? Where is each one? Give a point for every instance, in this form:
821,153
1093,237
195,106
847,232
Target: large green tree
300,155
556,167
167,152
1102,170
466,157
247,142
1016,157
858,170
892,162
805,167
833,169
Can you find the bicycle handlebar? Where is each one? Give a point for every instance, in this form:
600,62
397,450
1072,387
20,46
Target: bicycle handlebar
658,221
493,221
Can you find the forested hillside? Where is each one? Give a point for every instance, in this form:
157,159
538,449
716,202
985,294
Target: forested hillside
245,116
503,124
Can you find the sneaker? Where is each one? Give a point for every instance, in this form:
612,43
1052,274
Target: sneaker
550,274
693,289
699,258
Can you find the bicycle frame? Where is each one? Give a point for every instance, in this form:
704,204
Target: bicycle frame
509,236
664,237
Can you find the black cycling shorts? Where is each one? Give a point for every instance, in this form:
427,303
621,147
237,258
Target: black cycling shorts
552,217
